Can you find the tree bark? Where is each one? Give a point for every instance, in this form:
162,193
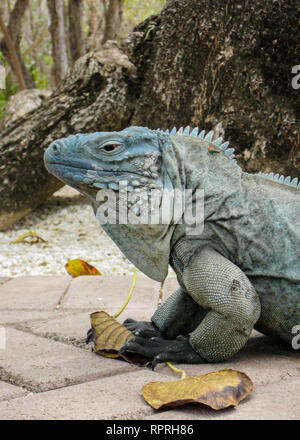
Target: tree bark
58,40
113,19
96,19
14,29
13,57
75,29
225,66
217,65
97,95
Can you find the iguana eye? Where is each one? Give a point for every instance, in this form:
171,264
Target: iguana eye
110,147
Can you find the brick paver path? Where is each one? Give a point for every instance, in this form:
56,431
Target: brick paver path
47,372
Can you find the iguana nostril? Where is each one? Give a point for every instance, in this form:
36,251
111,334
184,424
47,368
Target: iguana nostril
56,148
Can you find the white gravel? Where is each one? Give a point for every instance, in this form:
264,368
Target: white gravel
66,221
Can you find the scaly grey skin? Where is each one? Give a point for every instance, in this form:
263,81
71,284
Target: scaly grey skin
241,271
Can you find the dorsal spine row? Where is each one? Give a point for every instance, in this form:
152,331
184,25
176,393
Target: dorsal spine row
187,131
229,152
281,179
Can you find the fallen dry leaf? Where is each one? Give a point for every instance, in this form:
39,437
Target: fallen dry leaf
30,237
110,335
218,390
79,267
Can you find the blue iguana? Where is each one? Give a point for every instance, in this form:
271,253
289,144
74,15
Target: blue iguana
241,271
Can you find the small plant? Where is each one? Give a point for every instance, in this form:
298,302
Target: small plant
4,97
41,79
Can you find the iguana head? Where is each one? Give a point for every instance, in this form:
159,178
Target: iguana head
99,163
142,161
89,162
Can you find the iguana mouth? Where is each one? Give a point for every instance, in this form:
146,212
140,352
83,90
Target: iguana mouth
97,178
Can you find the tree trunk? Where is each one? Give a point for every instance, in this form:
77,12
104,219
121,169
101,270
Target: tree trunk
225,66
58,40
75,29
95,96
96,19
217,65
14,29
113,19
12,55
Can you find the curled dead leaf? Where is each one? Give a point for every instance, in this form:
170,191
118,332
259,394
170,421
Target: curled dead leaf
110,336
30,237
218,390
79,267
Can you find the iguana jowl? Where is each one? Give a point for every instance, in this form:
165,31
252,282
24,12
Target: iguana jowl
243,269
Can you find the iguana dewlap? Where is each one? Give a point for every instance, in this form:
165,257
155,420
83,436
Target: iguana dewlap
240,270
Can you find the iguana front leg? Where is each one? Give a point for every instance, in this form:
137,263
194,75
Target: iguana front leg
181,314
165,338
233,305
163,350
232,308
178,315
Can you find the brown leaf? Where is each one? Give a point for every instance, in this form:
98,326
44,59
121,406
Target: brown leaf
110,334
218,390
79,267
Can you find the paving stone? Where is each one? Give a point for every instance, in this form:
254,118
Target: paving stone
4,280
88,386
118,397
72,327
33,292
69,328
9,391
276,401
14,317
42,364
263,360
103,292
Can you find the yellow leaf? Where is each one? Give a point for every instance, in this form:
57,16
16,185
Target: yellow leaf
79,267
218,390
33,238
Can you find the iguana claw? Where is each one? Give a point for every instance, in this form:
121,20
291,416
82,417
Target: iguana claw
163,350
144,329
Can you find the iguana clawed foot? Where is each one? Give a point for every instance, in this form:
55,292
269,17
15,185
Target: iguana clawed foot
163,350
142,328
148,342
